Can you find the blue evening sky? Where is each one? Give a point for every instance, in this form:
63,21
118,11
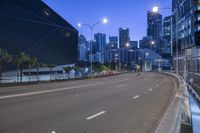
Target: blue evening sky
130,14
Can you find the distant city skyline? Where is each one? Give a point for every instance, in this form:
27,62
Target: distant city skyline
121,14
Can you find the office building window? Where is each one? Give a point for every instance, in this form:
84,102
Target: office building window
198,27
198,7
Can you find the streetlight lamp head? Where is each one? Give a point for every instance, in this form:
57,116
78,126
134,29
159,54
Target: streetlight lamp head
105,20
152,42
155,9
127,44
79,24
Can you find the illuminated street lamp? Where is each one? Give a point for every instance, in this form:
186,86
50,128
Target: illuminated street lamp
152,42
127,44
91,27
155,9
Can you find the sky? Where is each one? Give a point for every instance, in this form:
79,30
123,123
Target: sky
130,14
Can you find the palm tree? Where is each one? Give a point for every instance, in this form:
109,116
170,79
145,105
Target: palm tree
22,60
67,70
5,58
51,66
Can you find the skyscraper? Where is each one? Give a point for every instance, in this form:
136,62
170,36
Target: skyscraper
167,34
82,48
123,37
154,28
154,24
100,44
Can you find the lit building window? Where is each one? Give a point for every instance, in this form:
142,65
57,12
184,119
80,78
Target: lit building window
198,7
198,17
198,27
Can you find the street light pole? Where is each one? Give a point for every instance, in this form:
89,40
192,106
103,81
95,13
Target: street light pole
91,27
155,10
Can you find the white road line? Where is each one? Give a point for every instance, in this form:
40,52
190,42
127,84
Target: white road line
122,80
95,115
148,91
49,91
157,85
121,86
136,97
53,131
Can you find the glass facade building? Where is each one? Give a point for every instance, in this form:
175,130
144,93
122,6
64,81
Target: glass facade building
186,39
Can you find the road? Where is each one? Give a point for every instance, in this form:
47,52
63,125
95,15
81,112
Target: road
124,103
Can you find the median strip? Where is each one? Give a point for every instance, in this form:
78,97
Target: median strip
96,115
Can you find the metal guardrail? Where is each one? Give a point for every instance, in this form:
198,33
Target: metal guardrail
179,107
195,109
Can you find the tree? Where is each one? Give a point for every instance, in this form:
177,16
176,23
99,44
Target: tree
103,68
76,68
21,60
5,58
67,70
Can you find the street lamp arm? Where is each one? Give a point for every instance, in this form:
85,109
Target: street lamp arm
87,25
166,8
99,22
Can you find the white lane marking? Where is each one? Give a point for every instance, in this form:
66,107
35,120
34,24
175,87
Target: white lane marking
95,115
122,80
162,82
77,95
157,85
135,97
121,86
148,91
49,91
53,131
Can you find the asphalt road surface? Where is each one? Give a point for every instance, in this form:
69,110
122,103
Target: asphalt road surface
124,103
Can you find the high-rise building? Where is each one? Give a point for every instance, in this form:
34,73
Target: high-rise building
154,24
134,45
167,34
154,28
100,40
111,53
100,44
147,42
123,37
113,39
82,48
186,44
